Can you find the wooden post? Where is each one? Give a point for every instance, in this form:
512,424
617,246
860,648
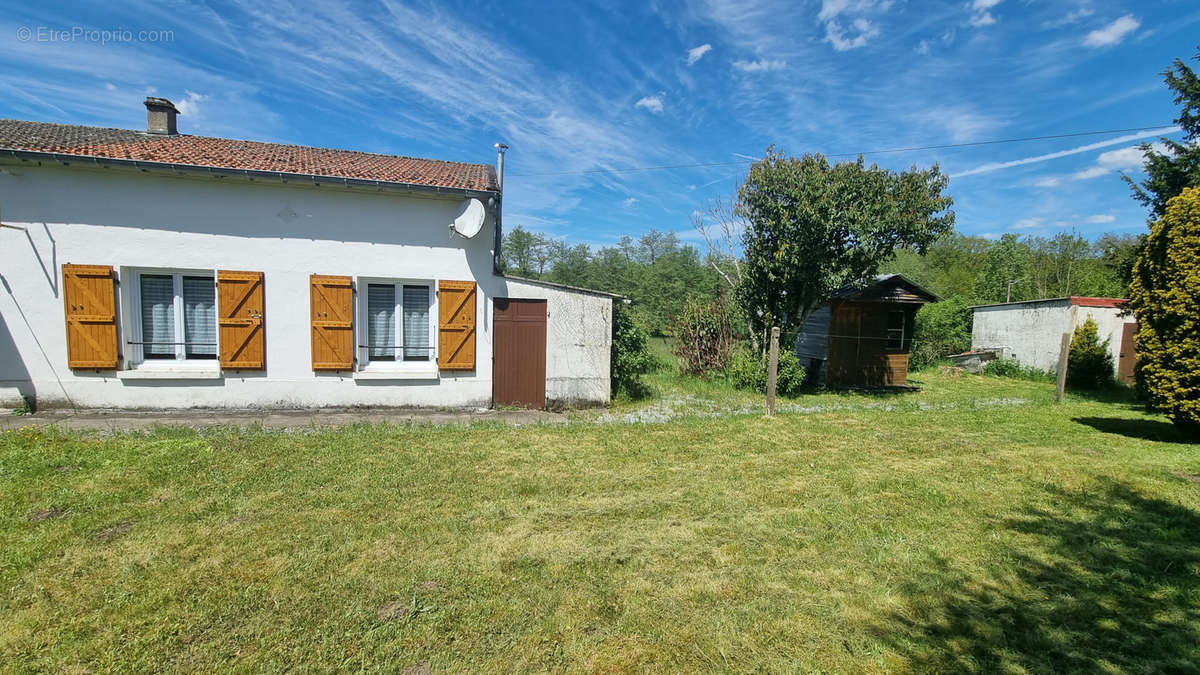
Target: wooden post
772,371
1063,352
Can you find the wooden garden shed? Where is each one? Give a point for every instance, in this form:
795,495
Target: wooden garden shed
863,336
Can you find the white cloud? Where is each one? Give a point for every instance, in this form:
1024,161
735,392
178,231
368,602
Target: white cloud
837,36
761,65
981,14
630,202
1048,182
831,9
1069,18
697,53
1100,218
190,106
996,166
1113,33
1121,159
652,103
1027,223
922,47
962,123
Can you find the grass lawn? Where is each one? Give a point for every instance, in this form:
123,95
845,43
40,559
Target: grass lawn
974,525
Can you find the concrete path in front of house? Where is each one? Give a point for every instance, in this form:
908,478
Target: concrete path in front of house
128,420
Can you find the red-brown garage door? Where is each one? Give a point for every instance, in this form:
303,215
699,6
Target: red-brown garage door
519,363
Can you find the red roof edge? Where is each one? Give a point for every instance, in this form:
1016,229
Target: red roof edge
1082,301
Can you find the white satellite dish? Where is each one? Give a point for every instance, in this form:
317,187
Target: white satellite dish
470,217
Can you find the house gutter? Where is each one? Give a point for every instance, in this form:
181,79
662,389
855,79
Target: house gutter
316,180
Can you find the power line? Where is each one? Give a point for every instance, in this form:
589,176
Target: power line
944,146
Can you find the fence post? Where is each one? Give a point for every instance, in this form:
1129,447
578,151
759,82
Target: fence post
1063,353
772,371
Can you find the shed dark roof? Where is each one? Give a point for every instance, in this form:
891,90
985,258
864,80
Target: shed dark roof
225,153
886,288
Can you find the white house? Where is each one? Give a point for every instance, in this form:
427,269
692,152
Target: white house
151,269
1031,331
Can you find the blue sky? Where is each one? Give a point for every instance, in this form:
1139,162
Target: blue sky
580,89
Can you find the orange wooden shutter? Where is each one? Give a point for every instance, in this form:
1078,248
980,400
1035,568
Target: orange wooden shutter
90,302
240,322
456,325
331,300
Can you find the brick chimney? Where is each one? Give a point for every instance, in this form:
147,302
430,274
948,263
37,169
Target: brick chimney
160,116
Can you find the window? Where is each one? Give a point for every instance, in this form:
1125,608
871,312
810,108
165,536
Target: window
176,316
397,322
895,333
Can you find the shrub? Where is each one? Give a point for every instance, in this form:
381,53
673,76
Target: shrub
748,371
1165,295
1012,368
941,329
703,336
630,355
1089,365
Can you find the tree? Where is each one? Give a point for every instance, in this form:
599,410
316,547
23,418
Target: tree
1177,166
518,251
1118,253
813,227
1007,260
1089,363
1165,296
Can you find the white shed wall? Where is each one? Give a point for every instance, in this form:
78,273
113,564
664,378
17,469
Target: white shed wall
1032,332
578,342
130,219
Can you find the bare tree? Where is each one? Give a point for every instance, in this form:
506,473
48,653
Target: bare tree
722,226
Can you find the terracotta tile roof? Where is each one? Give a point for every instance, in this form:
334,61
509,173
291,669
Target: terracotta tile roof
224,153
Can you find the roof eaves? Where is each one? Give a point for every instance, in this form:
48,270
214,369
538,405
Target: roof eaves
250,174
565,287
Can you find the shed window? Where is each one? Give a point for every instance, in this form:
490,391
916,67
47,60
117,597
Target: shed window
398,322
895,333
178,316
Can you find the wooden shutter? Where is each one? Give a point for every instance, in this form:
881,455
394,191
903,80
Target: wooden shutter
456,325
90,302
240,320
331,302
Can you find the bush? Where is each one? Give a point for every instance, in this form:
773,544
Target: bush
1090,365
941,329
630,355
703,336
1165,296
1012,368
748,371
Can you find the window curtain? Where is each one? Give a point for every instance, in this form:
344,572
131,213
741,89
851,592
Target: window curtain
200,317
416,323
158,316
381,321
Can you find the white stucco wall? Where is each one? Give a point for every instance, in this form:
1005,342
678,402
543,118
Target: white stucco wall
578,342
142,220
1031,332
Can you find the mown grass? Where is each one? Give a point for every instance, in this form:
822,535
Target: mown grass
928,533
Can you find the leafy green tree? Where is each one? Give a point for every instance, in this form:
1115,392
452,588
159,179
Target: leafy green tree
1006,260
630,355
1165,295
1118,253
941,329
1089,363
1168,172
519,251
813,227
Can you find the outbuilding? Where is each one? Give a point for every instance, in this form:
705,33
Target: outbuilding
1031,331
153,269
863,336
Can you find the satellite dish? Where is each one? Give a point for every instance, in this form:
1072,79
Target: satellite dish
470,217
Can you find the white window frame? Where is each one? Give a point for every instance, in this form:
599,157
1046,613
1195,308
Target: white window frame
399,365
135,352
